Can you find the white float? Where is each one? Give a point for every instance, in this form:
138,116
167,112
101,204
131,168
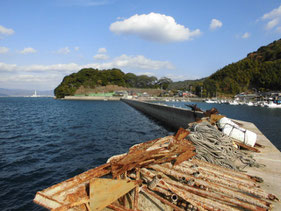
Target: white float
231,129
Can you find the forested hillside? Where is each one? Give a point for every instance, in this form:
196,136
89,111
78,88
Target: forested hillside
260,70
92,78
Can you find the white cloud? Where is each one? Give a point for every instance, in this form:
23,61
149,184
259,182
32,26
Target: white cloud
102,50
3,50
273,19
6,31
7,67
123,61
181,77
66,68
64,50
246,35
101,57
49,76
30,81
154,27
28,50
76,48
215,24
135,62
146,73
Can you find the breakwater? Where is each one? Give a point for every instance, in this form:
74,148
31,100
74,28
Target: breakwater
269,156
105,98
170,116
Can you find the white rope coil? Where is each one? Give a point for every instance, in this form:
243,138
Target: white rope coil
215,147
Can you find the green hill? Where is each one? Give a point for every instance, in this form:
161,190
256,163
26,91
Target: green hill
260,70
92,78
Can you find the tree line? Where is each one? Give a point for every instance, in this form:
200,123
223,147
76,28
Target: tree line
91,78
260,70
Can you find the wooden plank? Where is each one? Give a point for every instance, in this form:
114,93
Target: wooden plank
105,191
184,156
181,134
244,146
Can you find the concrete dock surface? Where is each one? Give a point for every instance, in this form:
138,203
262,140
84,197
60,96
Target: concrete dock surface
269,156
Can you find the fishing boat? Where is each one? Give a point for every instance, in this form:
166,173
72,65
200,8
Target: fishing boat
234,102
210,101
272,104
250,104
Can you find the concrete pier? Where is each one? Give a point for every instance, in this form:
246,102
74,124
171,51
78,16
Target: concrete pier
269,156
170,116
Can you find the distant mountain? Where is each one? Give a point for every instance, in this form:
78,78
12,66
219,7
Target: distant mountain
186,85
23,92
3,95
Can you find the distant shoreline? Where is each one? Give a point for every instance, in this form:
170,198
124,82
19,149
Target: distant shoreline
91,98
105,98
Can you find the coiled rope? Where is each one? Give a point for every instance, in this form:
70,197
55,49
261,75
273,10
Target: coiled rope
215,147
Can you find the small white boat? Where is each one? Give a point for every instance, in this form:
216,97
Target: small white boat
272,104
250,104
210,101
234,102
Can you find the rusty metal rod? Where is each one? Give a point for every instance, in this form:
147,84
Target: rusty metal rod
219,174
212,186
234,182
167,193
118,208
212,195
77,180
176,208
205,193
136,197
200,201
253,190
220,168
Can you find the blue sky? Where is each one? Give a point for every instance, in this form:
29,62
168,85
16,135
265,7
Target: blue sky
42,41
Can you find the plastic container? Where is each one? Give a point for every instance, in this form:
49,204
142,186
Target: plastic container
233,130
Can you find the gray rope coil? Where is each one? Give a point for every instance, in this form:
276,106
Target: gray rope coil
215,147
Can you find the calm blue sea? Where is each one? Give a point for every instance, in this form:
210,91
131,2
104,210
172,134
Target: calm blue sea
45,141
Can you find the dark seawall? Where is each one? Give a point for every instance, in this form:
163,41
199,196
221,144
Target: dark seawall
170,116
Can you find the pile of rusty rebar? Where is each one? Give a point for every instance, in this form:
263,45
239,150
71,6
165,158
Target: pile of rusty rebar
166,171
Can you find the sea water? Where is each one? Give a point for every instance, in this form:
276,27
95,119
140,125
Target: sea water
45,141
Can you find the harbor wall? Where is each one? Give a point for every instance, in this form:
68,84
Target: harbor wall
91,98
170,116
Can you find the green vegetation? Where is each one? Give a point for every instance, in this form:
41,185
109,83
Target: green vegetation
91,78
260,70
